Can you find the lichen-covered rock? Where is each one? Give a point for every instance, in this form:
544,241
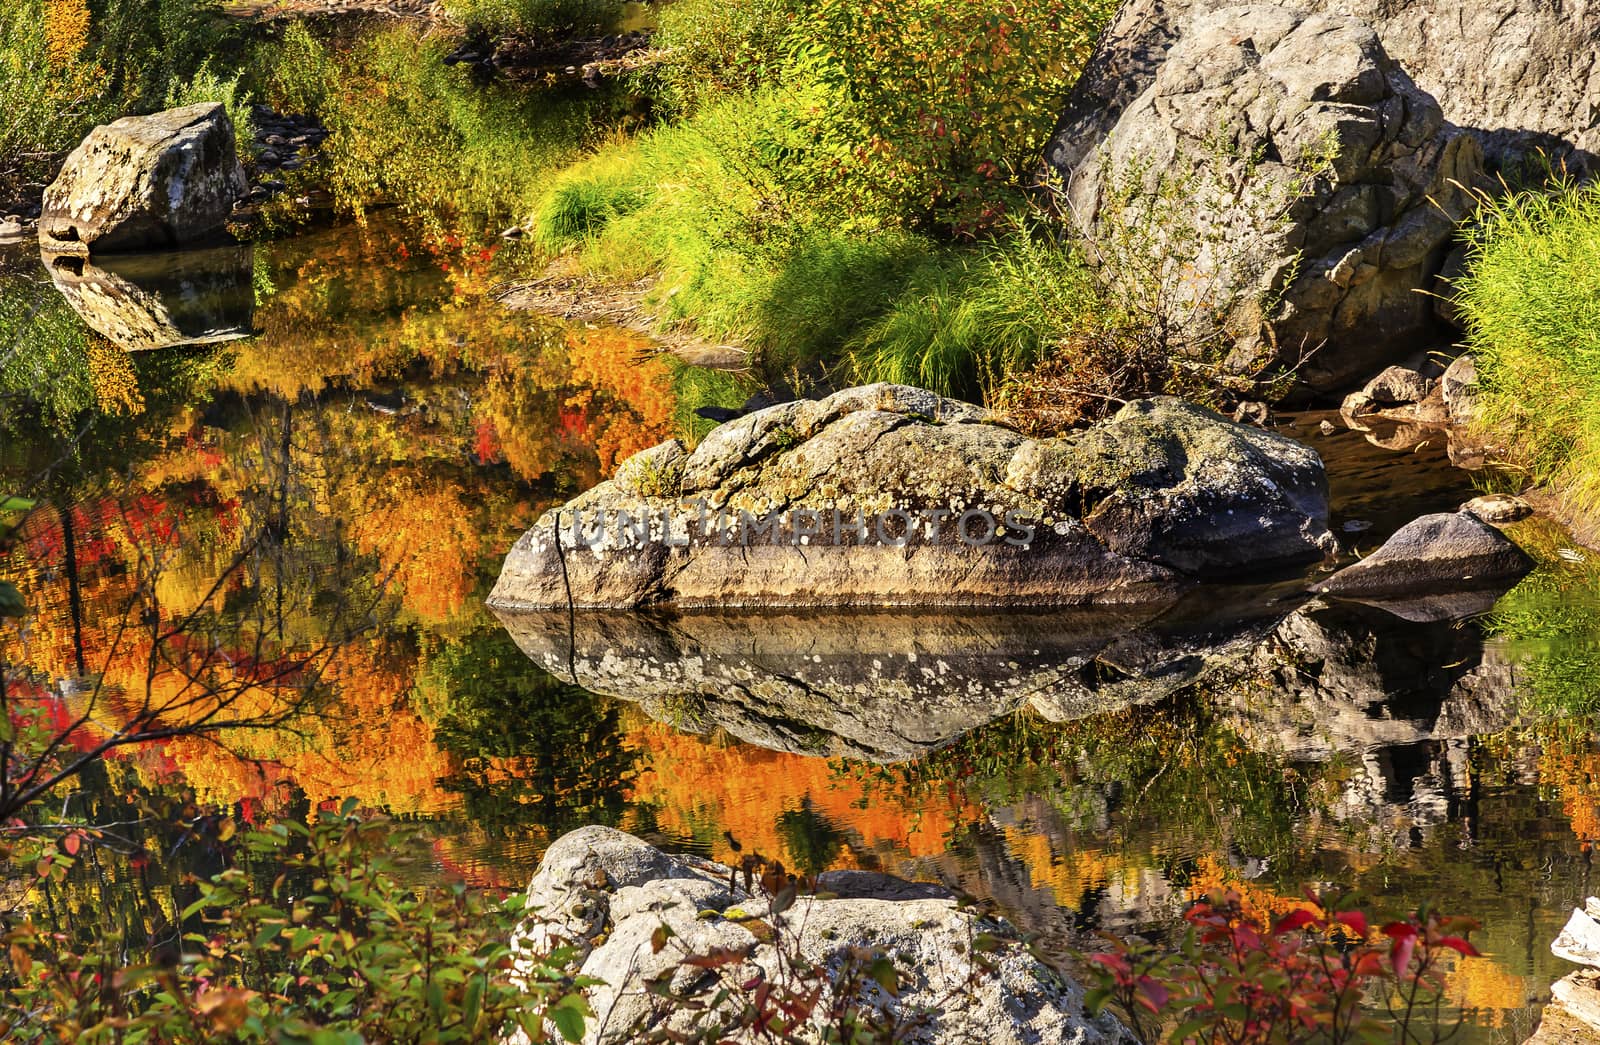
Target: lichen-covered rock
1322,186
1437,554
143,301
888,495
608,893
145,182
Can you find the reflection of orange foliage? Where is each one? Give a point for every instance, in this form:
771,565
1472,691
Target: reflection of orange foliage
427,541
1571,764
614,361
1485,985
701,788
1212,875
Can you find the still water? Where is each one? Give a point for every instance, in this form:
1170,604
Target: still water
350,434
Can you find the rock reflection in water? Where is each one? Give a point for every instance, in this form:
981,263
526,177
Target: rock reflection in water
881,686
144,301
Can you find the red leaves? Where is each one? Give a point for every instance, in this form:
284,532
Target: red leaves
1235,980
1292,921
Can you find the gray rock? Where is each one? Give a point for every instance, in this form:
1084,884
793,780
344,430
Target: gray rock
145,181
1398,385
1433,555
609,893
1134,509
1519,76
1460,388
1324,186
1579,941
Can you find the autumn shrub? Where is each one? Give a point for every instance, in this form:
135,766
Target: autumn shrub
1531,300
715,48
932,112
1317,974
535,17
315,936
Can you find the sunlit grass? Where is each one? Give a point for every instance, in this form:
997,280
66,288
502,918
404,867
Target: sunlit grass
1531,298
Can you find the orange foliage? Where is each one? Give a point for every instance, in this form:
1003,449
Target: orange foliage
615,362
698,786
426,539
66,31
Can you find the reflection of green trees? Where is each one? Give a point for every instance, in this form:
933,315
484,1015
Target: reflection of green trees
811,840
1169,772
1552,622
533,751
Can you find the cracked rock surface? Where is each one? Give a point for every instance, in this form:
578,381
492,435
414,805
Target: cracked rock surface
1324,185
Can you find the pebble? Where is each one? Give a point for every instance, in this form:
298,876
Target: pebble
1327,427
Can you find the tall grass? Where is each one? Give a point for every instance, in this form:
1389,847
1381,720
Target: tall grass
704,205
1531,299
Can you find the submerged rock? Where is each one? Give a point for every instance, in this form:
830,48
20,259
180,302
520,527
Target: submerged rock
608,893
144,182
889,495
141,301
1322,185
1443,554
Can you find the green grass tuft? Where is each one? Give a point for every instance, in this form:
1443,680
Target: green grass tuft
1531,299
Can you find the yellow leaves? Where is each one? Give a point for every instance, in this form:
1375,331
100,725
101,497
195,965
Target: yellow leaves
66,30
111,373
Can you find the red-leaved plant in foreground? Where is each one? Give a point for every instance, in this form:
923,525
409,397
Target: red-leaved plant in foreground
1315,975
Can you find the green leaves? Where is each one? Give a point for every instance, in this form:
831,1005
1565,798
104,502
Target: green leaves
11,603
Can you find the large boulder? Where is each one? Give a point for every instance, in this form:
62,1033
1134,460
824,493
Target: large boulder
889,495
607,893
1299,186
1518,75
145,182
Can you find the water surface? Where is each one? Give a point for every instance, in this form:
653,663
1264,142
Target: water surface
358,464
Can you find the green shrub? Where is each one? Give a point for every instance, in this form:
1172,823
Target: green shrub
407,129
933,112
536,17
718,47
209,86
1531,300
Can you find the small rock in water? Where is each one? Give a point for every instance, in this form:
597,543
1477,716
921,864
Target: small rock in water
268,158
1397,386
1356,526
1436,554
10,229
1327,427
1498,508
